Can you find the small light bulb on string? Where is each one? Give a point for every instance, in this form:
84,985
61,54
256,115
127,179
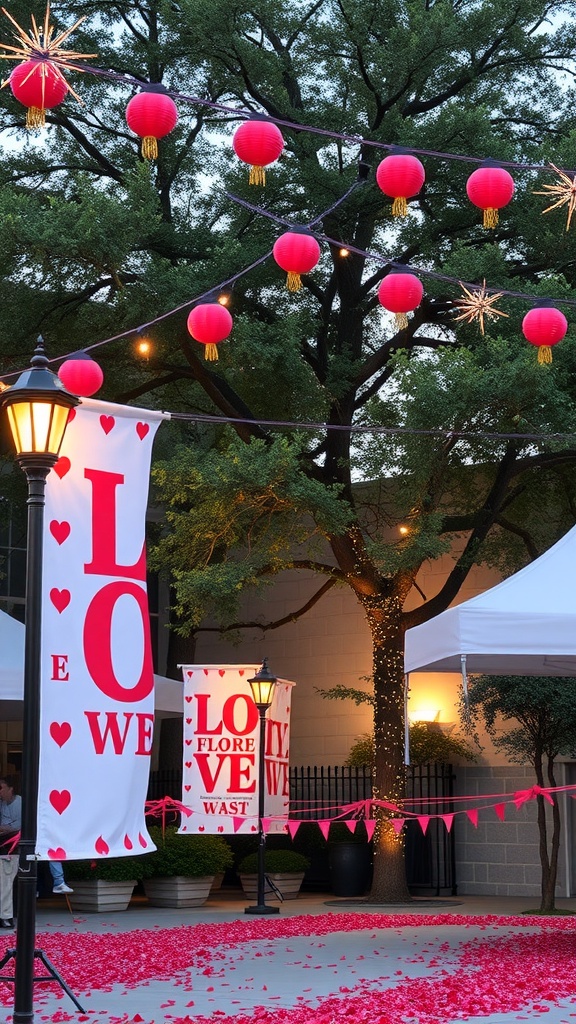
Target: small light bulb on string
403,530
143,346
344,252
225,297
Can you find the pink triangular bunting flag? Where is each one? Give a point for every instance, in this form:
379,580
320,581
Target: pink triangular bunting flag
397,824
370,826
266,822
237,822
500,810
448,820
351,825
423,821
324,827
293,827
472,814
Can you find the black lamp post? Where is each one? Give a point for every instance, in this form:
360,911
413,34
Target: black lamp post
37,406
262,686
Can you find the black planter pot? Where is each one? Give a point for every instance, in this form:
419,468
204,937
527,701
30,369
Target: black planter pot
350,868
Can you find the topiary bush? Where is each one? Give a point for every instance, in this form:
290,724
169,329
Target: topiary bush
194,856
275,862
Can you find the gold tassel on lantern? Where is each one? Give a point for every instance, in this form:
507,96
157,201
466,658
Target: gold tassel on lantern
257,175
400,207
150,147
35,118
401,321
293,281
211,353
490,218
544,354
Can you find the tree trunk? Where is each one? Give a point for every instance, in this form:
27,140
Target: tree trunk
549,876
384,616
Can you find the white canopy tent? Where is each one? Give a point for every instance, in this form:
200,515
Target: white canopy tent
168,692
526,625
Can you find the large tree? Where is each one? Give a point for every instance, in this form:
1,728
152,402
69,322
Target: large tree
95,241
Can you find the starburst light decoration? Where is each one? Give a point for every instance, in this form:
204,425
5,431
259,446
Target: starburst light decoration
478,304
565,191
44,50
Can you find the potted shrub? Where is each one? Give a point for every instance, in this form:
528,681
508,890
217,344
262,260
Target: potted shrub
103,884
284,868
180,872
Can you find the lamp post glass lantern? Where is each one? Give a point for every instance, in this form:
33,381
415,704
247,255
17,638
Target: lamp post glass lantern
262,686
38,408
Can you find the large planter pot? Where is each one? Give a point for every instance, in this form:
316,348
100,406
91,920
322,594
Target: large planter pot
350,868
98,896
287,883
178,891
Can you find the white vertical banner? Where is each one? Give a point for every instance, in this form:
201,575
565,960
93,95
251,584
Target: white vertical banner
220,752
97,682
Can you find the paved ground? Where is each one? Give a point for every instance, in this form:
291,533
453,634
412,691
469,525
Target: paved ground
284,973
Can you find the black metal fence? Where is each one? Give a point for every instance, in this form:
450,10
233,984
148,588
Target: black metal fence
320,791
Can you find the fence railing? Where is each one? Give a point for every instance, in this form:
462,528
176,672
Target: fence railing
319,792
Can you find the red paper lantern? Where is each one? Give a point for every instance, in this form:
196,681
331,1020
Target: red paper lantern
258,142
297,253
490,188
81,375
209,323
151,114
400,293
400,176
39,85
544,326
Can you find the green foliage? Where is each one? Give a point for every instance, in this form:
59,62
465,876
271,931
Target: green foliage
527,717
428,745
192,855
108,869
275,861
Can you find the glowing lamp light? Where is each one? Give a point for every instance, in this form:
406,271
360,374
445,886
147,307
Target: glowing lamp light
81,375
262,686
37,406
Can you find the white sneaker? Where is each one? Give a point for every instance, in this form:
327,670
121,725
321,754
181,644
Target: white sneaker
62,888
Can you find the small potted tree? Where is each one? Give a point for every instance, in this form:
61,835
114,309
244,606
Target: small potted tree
284,868
180,872
102,885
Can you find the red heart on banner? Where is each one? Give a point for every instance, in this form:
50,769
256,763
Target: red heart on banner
60,531
221,672
253,828
58,854
142,429
190,673
143,842
241,671
188,721
188,699
220,828
107,422
101,846
128,844
188,742
188,764
187,788
60,599
205,671
62,466
60,732
60,800
200,828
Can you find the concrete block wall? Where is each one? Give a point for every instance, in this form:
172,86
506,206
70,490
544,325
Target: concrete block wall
499,858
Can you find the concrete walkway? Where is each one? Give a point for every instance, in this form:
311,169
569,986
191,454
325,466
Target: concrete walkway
274,973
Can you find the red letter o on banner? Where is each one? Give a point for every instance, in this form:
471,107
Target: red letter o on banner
97,646
228,714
